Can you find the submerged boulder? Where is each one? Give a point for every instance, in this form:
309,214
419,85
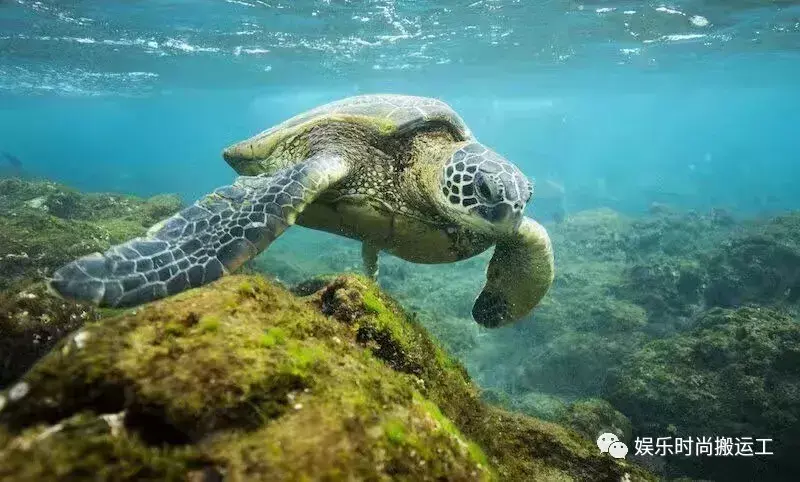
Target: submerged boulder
761,266
44,225
735,374
242,380
589,417
593,417
669,291
31,322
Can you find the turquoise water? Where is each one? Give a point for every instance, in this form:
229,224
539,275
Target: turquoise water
692,103
627,106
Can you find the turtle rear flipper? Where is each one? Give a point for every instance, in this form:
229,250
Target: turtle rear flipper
519,275
210,238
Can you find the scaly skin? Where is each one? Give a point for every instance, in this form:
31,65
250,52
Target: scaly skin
402,174
214,236
519,275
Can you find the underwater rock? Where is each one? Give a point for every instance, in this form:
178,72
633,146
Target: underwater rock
31,322
44,225
593,417
242,380
441,296
536,404
669,290
673,234
589,417
735,374
761,266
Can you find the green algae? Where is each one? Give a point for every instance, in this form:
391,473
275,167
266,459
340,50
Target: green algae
42,226
735,374
406,347
593,417
360,393
272,337
106,452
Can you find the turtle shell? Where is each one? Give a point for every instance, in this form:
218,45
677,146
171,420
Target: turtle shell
389,114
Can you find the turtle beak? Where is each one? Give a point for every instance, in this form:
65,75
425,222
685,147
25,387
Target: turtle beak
242,151
244,157
502,216
506,217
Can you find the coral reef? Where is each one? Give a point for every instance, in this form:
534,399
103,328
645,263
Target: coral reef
244,380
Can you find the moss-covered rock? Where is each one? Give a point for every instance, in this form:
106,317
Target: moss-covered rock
593,417
669,291
736,374
588,417
245,380
540,405
44,225
441,296
31,322
674,234
760,266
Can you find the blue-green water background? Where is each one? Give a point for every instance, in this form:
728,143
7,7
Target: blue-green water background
623,103
695,104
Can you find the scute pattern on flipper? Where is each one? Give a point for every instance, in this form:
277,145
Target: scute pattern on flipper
212,237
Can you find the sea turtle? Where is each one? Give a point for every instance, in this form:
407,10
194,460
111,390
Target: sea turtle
401,174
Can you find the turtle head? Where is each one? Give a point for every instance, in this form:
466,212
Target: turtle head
257,154
246,156
481,188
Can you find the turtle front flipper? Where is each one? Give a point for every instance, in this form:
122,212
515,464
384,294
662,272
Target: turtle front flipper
213,237
519,275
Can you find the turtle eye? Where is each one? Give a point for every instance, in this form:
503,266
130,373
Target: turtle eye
486,189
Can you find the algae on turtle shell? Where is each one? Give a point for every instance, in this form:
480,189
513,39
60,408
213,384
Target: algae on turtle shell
246,381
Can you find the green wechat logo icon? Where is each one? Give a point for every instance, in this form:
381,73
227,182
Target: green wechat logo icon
610,444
